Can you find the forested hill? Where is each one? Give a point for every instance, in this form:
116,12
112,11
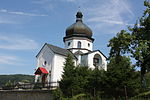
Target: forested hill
15,78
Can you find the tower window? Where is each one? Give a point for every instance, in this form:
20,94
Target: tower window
88,44
69,43
79,44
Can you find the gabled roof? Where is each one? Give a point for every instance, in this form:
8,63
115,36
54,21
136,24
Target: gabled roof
95,51
57,50
40,71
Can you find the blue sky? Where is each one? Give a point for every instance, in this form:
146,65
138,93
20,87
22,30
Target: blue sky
25,25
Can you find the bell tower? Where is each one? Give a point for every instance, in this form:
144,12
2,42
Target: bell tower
79,36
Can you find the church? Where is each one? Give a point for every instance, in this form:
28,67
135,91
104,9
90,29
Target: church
78,42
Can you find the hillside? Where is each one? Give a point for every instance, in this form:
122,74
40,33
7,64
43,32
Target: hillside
15,78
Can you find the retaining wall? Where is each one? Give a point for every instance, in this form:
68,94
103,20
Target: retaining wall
25,95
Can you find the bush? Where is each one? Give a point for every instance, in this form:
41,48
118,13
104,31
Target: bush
142,96
37,86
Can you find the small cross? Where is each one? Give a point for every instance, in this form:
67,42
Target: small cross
79,8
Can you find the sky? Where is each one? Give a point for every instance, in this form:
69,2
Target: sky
25,25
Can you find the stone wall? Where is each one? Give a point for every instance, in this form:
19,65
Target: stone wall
25,95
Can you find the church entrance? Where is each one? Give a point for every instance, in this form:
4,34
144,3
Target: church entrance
44,78
42,72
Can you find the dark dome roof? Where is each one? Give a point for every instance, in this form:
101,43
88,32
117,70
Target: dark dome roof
79,28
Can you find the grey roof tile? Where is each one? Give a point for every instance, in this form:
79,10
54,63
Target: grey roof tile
60,51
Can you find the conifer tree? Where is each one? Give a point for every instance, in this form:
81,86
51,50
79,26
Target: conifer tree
67,81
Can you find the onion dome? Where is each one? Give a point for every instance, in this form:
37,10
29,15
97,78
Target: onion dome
79,29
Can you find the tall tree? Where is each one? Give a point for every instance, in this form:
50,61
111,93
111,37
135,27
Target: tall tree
141,42
121,73
74,79
96,82
66,84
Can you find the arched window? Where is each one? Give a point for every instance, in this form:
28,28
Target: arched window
69,43
97,60
79,44
88,44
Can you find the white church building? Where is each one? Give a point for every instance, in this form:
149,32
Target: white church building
79,42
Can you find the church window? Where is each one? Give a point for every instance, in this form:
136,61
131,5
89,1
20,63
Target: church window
44,63
79,44
69,43
88,44
97,61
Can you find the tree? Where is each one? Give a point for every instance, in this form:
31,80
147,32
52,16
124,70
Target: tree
122,79
121,73
96,82
74,79
67,81
120,44
141,42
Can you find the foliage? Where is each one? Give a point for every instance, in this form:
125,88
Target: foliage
141,42
137,43
15,78
9,83
37,86
68,81
74,79
120,44
121,80
57,94
120,76
25,81
147,78
98,83
142,96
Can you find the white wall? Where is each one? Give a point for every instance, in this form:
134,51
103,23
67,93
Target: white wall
58,67
55,63
46,55
74,44
90,60
79,59
84,60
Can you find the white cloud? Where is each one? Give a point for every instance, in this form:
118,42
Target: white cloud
10,60
104,14
111,12
17,43
20,13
